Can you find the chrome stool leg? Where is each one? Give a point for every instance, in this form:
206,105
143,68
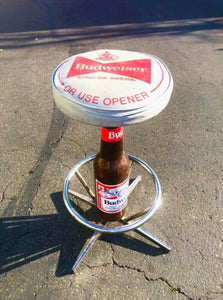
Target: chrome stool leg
88,245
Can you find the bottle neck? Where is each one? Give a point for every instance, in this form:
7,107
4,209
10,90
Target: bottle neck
111,142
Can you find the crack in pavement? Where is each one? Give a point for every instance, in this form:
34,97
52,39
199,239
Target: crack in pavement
173,288
27,193
79,144
3,193
97,266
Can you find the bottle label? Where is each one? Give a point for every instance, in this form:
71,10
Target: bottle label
112,198
111,135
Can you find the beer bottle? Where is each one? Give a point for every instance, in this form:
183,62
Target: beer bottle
112,170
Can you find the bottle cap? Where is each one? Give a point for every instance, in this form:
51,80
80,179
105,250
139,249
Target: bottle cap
112,87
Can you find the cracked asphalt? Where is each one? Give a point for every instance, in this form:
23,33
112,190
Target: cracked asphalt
39,240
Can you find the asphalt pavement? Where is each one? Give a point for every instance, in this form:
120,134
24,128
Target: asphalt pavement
39,240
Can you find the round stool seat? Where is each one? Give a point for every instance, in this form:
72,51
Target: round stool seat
112,88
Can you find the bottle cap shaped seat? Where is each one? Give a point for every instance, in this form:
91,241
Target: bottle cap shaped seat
112,88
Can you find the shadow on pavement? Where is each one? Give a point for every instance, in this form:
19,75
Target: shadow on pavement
26,239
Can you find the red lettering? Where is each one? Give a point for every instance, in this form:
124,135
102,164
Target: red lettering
144,95
130,99
125,100
95,100
88,98
138,97
114,100
70,90
122,100
81,95
107,101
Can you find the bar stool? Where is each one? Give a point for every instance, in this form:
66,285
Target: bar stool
112,88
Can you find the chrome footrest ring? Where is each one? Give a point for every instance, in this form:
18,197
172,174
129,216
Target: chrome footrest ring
108,229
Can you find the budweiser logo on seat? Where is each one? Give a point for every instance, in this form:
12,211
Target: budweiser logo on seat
138,69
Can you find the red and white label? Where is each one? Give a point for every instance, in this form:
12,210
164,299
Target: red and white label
138,68
112,198
111,135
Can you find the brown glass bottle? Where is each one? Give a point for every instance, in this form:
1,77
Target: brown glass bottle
111,168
